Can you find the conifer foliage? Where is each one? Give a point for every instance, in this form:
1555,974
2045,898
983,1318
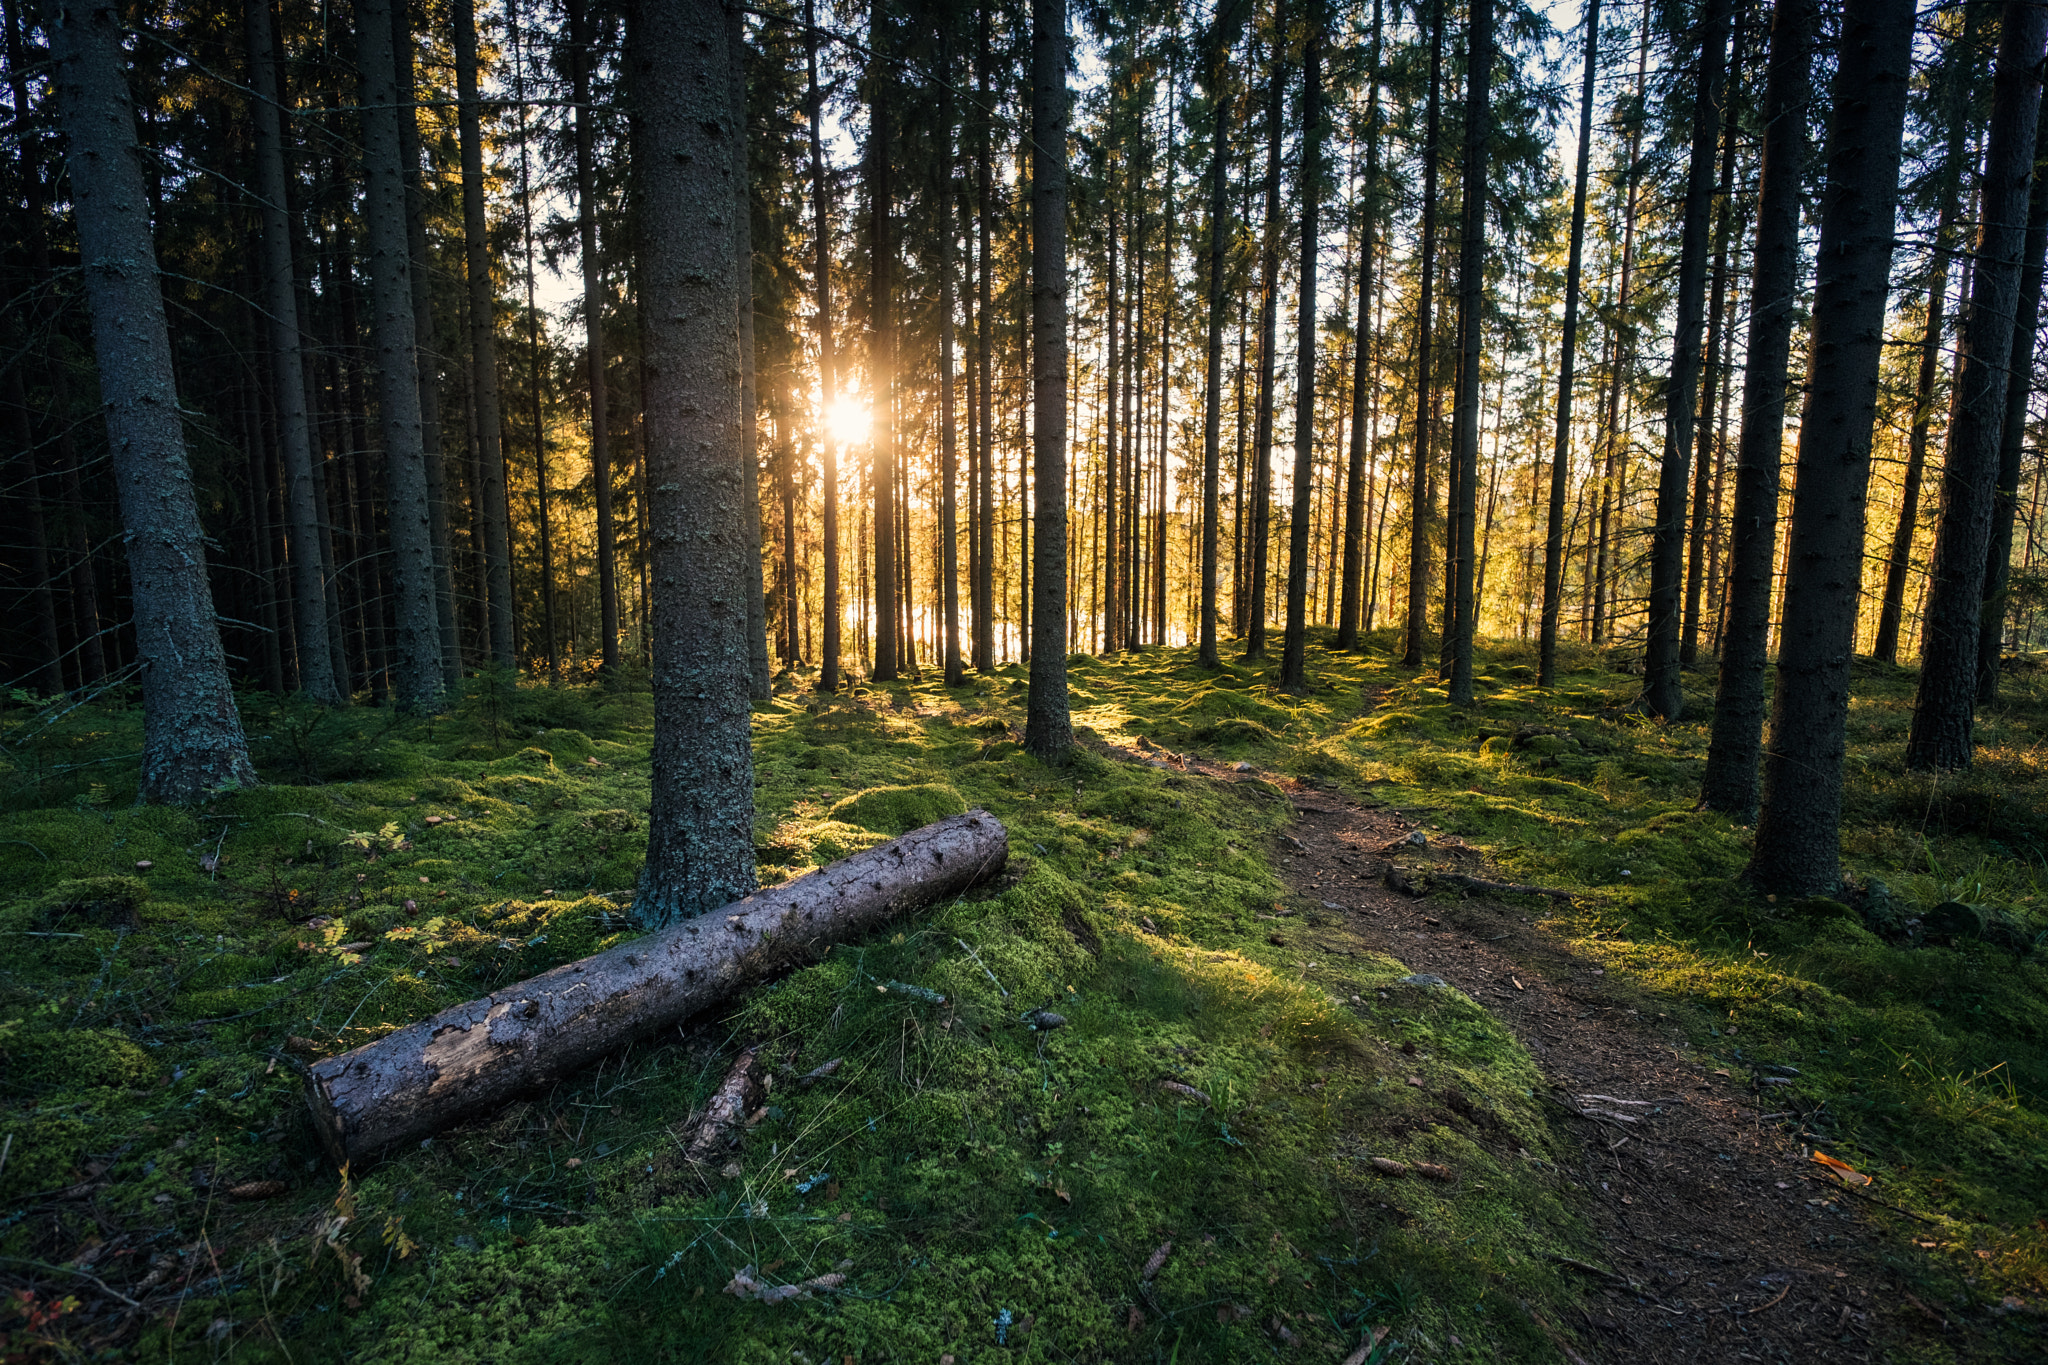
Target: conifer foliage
436,338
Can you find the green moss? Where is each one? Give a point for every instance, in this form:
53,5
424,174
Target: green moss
898,810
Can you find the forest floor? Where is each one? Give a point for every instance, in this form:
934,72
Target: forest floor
1322,1091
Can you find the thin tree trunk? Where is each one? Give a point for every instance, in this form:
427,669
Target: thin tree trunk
1269,320
483,344
984,353
1560,461
2012,437
1729,784
949,440
583,61
1944,709
281,303
49,652
1364,344
1798,848
193,744
1471,324
1420,503
1294,645
700,844
821,229
424,334
1710,383
1898,565
1228,20
761,683
417,675
882,360
1663,685
1047,730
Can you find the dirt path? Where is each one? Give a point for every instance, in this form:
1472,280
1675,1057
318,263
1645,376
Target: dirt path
1720,1242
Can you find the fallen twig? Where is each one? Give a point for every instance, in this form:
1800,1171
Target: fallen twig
1500,888
76,1273
1852,1190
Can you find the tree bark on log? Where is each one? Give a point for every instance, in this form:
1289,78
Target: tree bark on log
427,1076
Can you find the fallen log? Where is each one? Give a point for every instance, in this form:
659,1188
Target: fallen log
474,1056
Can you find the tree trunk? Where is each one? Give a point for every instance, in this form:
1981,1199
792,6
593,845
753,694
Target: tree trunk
294,431
1228,20
2012,437
1729,783
192,735
475,1056
394,336
1364,342
700,842
1703,481
1420,503
1663,686
882,358
483,343
828,364
1261,496
760,677
426,370
1048,733
1294,645
984,354
1798,847
582,62
1560,460
1471,324
949,437
1944,710
1962,56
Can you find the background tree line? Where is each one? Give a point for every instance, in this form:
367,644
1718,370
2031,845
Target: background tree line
1292,314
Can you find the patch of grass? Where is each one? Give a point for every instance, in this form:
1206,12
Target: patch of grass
961,1164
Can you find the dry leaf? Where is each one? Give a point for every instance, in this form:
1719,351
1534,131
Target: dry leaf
1840,1169
1367,1347
1433,1171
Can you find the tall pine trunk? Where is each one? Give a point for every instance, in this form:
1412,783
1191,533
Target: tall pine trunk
1420,503
1560,459
1269,323
882,357
760,684
495,512
984,352
1294,645
1048,732
394,337
1364,345
192,743
1471,326
1798,832
1704,463
700,838
1956,155
828,364
1730,781
1945,708
949,438
1228,20
294,429
582,62
2012,438
1663,687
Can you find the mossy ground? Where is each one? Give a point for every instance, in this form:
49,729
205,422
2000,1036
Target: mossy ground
965,1165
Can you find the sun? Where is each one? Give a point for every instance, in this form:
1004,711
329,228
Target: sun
848,421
